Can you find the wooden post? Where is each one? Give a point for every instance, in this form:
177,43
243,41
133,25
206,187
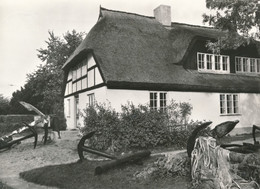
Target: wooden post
130,158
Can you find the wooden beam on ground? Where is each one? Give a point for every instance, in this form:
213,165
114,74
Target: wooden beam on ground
130,158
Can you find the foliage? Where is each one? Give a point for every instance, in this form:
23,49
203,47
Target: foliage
138,127
44,86
4,105
239,18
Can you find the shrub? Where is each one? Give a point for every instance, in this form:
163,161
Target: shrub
138,127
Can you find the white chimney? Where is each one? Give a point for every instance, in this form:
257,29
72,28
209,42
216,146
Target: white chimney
163,14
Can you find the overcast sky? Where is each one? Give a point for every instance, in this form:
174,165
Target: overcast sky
24,26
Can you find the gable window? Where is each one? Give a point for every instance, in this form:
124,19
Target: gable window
212,63
158,100
247,65
229,104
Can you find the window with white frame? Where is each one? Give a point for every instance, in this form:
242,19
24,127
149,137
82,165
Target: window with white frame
247,65
212,63
158,100
91,99
229,104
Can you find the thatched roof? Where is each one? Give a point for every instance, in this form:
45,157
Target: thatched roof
137,52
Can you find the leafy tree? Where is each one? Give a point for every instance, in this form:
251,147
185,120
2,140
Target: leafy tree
239,19
4,105
43,88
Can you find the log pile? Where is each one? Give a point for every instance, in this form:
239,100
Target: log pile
169,165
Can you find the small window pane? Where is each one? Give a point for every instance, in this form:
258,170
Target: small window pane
209,61
222,104
201,60
235,104
258,66
229,104
238,64
91,99
225,63
244,64
217,62
252,65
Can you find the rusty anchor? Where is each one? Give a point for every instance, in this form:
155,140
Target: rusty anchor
10,143
115,161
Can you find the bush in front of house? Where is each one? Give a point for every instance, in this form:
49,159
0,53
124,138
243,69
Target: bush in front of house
138,127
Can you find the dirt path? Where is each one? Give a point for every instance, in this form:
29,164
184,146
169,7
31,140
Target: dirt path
23,157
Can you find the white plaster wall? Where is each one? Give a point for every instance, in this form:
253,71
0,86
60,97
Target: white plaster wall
121,97
206,106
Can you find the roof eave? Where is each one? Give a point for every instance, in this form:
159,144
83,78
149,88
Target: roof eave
177,87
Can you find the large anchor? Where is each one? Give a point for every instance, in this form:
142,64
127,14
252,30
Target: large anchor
245,148
42,120
220,131
115,161
10,143
82,148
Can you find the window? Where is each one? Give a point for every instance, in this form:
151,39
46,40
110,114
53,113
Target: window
238,64
217,62
153,101
229,104
258,65
158,100
213,63
162,101
77,106
209,61
68,107
225,63
91,99
247,65
201,61
244,60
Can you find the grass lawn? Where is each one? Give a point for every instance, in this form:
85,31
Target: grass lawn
241,137
4,186
81,175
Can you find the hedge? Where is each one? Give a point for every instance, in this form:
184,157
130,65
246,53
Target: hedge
138,127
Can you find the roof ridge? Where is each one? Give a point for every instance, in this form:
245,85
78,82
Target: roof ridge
197,26
102,8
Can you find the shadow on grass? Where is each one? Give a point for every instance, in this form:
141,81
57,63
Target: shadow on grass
81,175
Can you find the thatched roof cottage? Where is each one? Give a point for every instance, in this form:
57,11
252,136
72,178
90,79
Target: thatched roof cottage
131,57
